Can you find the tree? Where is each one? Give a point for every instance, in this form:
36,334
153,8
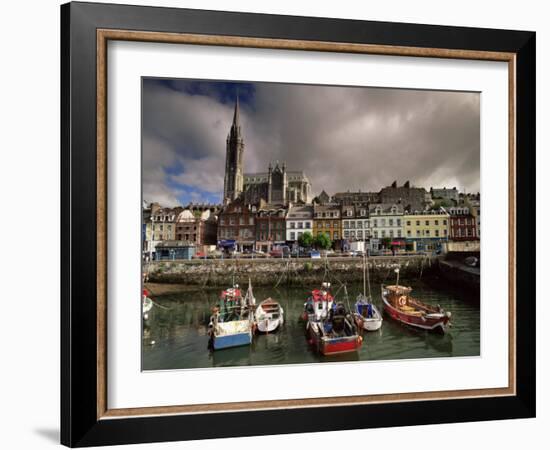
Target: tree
386,242
323,241
305,239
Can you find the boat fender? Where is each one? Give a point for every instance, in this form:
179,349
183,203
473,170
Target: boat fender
359,340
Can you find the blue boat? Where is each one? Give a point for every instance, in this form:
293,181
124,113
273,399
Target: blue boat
232,320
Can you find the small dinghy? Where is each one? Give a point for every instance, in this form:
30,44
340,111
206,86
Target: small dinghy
366,314
269,316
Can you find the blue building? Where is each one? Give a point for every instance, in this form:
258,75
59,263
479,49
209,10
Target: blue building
171,250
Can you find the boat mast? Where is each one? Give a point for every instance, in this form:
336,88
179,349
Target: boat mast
368,274
397,272
364,280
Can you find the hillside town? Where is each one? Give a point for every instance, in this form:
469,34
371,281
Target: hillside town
274,213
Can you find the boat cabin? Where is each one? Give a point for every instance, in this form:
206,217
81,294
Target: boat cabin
320,303
398,296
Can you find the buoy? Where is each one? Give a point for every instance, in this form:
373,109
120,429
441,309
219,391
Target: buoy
152,342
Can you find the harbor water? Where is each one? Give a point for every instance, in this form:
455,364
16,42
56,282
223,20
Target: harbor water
175,335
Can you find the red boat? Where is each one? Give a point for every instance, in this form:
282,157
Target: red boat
400,306
330,328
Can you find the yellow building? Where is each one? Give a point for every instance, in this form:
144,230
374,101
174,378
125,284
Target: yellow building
426,229
327,219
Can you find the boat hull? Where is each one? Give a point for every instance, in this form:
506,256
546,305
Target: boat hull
373,324
332,346
269,325
231,340
435,324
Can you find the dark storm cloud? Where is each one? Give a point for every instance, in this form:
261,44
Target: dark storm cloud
343,138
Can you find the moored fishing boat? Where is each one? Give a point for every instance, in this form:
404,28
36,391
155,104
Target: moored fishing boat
330,327
269,316
404,308
366,314
232,320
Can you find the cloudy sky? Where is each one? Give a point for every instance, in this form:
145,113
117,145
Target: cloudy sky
342,137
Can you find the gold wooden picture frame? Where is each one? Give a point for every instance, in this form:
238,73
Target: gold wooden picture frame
86,23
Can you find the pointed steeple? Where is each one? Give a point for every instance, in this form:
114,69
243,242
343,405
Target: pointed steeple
236,113
235,131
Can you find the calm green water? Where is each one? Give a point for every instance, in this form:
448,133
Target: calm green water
179,331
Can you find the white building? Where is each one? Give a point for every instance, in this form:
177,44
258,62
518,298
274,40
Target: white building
386,220
299,219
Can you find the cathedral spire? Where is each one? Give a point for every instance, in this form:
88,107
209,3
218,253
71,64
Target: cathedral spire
236,113
233,181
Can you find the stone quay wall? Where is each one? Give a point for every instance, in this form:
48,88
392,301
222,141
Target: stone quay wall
274,271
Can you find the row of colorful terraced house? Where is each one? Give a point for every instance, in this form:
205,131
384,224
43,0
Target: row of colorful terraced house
344,218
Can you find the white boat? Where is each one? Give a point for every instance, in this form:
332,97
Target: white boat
366,314
147,304
269,316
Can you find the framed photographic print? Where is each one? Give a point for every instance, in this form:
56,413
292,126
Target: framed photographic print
272,224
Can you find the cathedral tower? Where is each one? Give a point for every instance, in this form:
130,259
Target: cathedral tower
233,181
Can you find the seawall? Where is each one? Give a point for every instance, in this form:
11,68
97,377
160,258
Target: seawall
272,271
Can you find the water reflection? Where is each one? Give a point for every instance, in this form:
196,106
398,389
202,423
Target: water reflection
175,335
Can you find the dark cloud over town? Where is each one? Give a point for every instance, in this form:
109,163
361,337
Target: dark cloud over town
343,138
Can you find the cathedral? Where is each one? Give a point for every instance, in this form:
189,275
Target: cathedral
276,186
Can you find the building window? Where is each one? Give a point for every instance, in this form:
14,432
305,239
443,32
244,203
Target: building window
427,223
327,225
436,222
391,233
349,213
382,222
444,232
359,224
346,224
398,233
300,225
352,233
352,224
335,234
427,232
398,222
374,223
383,233
376,234
408,233
417,233
292,224
390,222
308,225
292,236
346,234
437,233
409,223
363,212
418,223
359,234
